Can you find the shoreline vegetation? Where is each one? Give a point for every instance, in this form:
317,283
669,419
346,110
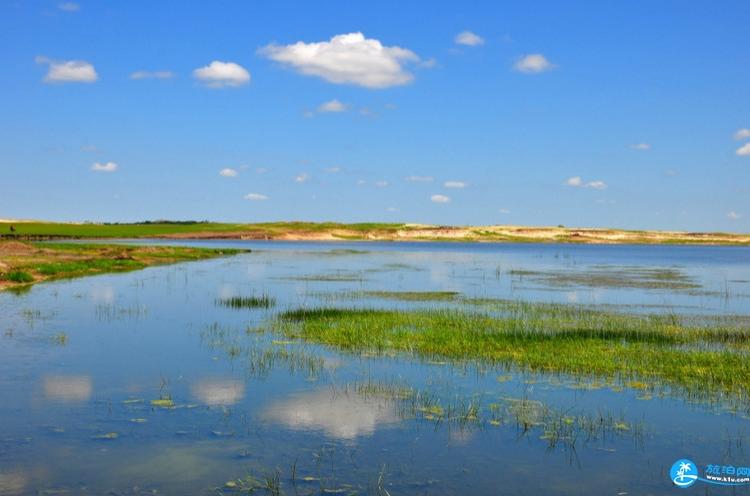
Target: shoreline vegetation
23,264
331,231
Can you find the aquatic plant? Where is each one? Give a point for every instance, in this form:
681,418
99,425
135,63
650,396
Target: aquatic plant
695,355
238,302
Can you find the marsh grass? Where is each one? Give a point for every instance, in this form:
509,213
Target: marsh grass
240,302
613,276
413,295
701,357
556,426
19,276
338,276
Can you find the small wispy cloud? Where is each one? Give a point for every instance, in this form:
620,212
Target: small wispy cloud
332,106
392,209
255,197
104,167
89,148
429,63
504,211
228,172
68,71
734,215
596,185
261,170
577,182
332,170
534,63
744,150
641,146
69,7
455,184
440,199
741,134
469,39
381,184
220,74
302,178
419,179
137,75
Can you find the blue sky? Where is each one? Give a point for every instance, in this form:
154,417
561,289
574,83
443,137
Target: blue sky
630,114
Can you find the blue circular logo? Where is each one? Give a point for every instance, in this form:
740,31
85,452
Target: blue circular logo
684,473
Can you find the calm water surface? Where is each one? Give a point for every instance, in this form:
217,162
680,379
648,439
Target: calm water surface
82,360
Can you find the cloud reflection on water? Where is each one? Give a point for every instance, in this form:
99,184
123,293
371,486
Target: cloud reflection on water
68,387
342,416
214,392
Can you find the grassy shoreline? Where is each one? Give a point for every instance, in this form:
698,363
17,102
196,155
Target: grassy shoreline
24,264
332,231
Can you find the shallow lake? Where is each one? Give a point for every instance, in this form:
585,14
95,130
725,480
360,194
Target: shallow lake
140,383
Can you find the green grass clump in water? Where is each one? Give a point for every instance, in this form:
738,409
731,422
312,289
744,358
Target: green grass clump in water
237,302
657,349
414,295
19,276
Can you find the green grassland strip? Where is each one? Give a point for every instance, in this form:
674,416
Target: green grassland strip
657,349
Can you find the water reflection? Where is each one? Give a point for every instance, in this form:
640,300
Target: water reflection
103,293
342,416
12,483
68,387
215,392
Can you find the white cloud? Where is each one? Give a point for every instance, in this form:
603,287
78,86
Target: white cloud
468,38
419,179
641,146
455,184
219,74
596,185
152,75
381,184
69,7
734,215
228,172
106,167
332,106
89,148
255,197
68,71
429,63
533,64
741,134
302,178
504,211
744,150
440,199
577,182
347,59
261,170
333,170
392,209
